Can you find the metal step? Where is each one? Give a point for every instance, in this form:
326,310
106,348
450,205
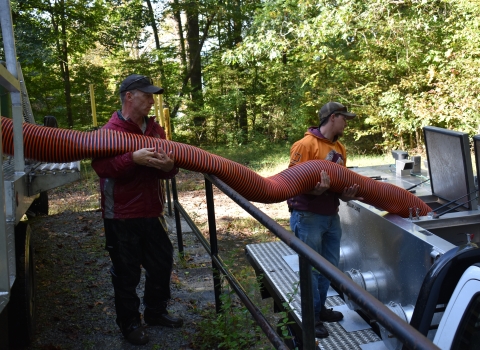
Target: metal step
278,264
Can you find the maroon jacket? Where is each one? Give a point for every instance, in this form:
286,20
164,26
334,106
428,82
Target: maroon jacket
130,190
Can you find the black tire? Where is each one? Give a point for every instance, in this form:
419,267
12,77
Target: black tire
21,307
40,205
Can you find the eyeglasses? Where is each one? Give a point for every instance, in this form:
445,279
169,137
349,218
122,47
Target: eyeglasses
149,80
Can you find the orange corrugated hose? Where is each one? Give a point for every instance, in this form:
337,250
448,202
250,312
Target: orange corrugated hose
60,145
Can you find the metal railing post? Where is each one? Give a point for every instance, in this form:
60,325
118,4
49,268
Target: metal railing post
308,313
169,199
212,228
178,222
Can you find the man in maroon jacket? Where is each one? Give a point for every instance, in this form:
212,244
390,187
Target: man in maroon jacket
132,209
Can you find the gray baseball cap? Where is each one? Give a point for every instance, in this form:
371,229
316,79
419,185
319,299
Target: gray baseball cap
334,108
140,82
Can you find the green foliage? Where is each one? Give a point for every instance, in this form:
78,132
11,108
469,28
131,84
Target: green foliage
389,61
284,318
267,67
273,158
232,329
249,154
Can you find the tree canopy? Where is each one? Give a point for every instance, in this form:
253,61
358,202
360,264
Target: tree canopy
258,71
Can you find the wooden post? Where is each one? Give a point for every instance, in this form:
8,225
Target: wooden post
159,102
168,129
156,106
94,109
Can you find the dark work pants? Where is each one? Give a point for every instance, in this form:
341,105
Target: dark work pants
131,243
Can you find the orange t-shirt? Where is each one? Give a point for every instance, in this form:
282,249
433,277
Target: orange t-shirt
314,146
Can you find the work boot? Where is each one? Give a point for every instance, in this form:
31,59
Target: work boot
329,315
162,319
320,330
134,333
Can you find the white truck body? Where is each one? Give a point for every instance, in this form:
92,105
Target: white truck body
24,191
461,319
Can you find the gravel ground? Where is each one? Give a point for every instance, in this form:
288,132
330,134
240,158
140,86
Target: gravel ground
75,306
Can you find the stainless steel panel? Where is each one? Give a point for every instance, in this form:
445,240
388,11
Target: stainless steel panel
7,261
21,189
395,250
17,200
450,165
351,322
398,251
387,174
454,227
44,182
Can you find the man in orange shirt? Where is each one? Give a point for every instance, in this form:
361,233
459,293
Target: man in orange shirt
314,215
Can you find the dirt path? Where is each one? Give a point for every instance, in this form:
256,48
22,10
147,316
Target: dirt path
75,305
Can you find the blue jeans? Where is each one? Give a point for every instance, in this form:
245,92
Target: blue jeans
321,233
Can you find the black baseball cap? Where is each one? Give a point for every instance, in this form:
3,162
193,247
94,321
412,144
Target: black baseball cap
334,108
140,82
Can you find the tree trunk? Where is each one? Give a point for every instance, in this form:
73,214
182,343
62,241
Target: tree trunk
186,78
66,77
178,18
153,24
193,36
242,106
242,118
418,138
62,50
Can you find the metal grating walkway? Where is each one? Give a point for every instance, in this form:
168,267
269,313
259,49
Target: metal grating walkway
277,272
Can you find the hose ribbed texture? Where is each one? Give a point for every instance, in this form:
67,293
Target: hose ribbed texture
61,146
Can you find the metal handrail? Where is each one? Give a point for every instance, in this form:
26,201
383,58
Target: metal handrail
405,333
219,266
